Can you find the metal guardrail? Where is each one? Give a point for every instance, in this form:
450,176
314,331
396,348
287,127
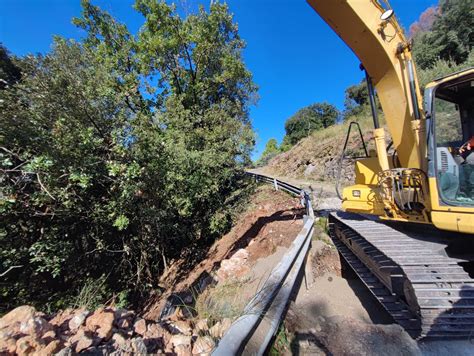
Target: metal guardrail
264,312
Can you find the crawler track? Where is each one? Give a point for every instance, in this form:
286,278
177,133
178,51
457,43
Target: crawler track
426,291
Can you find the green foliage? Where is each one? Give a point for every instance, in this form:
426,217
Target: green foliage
356,97
116,152
442,68
451,36
311,118
270,151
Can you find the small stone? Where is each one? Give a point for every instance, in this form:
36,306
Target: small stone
203,345
219,328
124,323
121,343
77,320
138,346
177,314
140,326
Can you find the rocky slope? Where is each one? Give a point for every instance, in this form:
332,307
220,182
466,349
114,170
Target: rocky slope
25,331
317,157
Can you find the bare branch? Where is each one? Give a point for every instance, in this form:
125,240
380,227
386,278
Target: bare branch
8,270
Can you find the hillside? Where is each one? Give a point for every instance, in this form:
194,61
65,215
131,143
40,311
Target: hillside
316,157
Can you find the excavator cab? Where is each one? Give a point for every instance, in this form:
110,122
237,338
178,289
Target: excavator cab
450,111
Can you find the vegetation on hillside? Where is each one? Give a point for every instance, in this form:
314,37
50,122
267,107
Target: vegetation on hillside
119,152
444,33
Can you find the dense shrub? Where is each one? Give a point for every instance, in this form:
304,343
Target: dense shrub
118,152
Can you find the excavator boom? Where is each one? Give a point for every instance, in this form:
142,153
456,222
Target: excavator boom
421,274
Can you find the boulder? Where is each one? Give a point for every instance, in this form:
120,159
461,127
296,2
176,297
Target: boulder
35,326
81,341
61,319
17,316
101,322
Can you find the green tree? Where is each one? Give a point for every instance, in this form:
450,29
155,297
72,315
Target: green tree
270,151
311,118
356,97
451,36
117,151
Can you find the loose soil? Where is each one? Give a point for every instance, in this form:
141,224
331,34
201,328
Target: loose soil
267,227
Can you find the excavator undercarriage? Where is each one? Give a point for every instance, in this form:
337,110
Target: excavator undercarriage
419,275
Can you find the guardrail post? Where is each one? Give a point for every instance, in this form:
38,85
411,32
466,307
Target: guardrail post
275,183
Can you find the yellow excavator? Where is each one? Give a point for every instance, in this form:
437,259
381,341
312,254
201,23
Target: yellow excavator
407,223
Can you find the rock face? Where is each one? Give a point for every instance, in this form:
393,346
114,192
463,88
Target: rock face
24,331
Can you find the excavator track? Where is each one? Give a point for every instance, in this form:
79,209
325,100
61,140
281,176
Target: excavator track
427,292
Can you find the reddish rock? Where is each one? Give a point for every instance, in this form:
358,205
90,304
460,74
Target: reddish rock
81,341
35,326
7,345
234,267
61,319
28,344
101,322
77,319
121,343
49,336
179,339
17,315
53,347
218,330
140,326
201,325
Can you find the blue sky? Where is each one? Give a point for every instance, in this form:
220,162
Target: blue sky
294,56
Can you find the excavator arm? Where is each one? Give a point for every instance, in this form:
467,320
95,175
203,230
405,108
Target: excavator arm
385,54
